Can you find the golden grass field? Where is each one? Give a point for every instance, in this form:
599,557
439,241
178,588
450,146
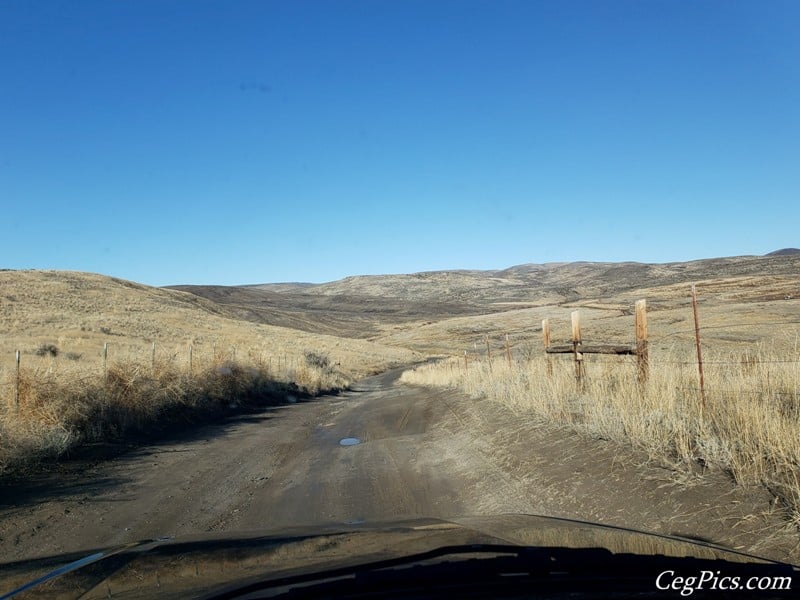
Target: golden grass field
736,314
80,312
67,397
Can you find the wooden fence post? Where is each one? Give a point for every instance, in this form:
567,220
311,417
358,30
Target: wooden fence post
488,353
465,360
576,341
105,357
191,352
642,352
697,343
546,341
508,352
16,393
577,349
153,358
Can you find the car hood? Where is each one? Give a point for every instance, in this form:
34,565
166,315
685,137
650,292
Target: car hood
191,566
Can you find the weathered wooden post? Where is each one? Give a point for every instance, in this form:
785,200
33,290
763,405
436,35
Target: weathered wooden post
642,352
465,360
191,352
508,352
546,341
153,358
697,343
576,341
105,357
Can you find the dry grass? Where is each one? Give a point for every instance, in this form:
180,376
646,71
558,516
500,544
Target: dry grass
727,324
79,312
63,405
749,426
60,321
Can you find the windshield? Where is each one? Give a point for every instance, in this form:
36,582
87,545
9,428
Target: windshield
337,264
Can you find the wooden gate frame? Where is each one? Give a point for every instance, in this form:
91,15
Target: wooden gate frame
578,349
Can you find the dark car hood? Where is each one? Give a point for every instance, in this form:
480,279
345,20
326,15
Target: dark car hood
193,565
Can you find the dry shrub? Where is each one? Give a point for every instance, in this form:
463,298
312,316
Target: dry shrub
59,409
317,380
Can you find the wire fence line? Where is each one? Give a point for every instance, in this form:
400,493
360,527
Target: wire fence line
747,362
623,362
48,360
689,388
618,354
153,355
744,362
708,389
728,326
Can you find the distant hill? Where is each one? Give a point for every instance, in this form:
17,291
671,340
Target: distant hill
372,305
428,311
784,252
292,286
339,312
553,282
80,312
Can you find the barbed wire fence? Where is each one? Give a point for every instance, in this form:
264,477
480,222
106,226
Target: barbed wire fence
619,354
157,355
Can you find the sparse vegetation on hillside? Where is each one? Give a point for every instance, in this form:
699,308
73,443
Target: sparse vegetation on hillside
79,312
47,349
101,357
392,308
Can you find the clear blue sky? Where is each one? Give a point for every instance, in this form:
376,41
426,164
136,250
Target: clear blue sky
229,142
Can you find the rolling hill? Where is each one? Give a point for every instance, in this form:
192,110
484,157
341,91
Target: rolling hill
441,311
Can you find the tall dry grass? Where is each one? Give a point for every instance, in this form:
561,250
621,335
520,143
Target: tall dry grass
749,426
64,403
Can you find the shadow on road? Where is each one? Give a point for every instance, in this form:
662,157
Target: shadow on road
71,475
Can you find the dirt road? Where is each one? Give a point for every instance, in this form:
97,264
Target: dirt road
422,453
